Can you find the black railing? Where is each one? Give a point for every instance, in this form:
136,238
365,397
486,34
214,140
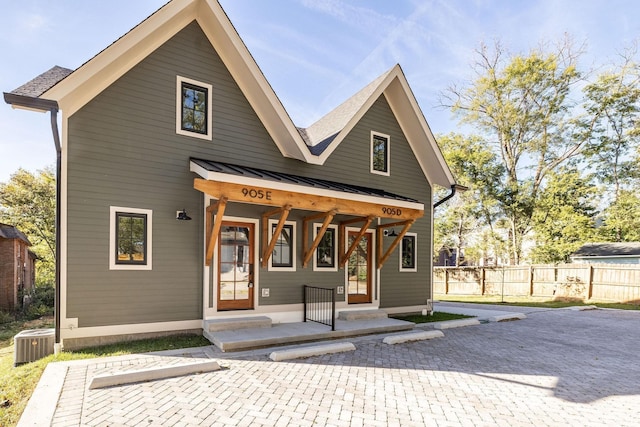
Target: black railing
320,305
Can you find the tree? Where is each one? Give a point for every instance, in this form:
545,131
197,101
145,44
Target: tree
474,167
521,105
621,219
28,201
566,216
611,121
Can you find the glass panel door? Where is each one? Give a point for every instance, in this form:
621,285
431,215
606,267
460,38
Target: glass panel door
359,269
235,266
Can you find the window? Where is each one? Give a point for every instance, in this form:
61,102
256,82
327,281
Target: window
283,257
129,239
193,108
408,252
325,256
379,153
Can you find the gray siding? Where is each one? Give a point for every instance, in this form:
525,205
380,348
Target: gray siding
123,151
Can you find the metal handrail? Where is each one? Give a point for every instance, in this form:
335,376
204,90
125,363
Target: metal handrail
320,305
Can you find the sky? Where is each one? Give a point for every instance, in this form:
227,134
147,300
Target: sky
314,53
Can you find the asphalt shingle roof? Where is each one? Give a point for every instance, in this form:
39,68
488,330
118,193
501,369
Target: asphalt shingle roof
608,249
11,232
45,81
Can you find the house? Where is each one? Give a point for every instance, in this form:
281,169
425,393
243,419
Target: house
17,267
608,253
175,121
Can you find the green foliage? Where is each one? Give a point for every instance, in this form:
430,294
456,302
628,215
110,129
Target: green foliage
621,219
27,202
565,218
612,106
522,107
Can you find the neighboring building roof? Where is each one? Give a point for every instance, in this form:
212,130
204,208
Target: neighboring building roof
45,81
312,145
285,178
608,249
11,232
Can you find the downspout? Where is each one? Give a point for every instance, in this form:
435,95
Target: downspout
454,189
44,105
58,291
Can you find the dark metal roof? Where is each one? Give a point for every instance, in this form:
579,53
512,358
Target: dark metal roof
286,178
608,249
10,232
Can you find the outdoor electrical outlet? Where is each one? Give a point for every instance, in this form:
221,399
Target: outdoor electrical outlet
340,290
265,292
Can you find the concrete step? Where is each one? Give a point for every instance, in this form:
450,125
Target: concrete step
302,332
362,315
235,323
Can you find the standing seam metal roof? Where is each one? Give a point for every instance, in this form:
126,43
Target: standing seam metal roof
285,178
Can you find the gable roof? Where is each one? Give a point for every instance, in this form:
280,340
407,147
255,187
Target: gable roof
608,249
312,145
11,232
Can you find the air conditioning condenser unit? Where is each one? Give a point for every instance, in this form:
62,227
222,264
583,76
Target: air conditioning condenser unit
33,344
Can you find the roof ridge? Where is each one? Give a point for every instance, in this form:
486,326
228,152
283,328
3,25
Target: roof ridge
335,120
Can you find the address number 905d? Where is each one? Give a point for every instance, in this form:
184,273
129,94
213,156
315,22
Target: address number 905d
391,211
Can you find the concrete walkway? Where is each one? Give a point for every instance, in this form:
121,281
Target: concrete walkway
553,368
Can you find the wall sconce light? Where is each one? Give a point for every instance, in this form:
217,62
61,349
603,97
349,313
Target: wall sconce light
182,215
390,234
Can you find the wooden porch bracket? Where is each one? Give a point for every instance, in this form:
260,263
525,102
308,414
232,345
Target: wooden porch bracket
213,227
267,248
405,227
308,253
345,256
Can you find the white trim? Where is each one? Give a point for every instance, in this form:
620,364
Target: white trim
415,254
301,189
388,154
209,88
112,238
129,329
333,227
294,250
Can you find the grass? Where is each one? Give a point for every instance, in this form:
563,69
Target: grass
437,316
18,383
533,302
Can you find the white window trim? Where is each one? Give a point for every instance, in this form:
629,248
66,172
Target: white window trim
334,227
209,88
112,238
371,169
273,222
415,254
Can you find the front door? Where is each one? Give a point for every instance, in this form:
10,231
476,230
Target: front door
235,266
359,269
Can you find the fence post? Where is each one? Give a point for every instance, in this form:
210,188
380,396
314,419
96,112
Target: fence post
446,281
483,279
531,280
590,284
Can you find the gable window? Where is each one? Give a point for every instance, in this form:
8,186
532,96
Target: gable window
379,153
130,239
325,256
408,253
193,108
283,257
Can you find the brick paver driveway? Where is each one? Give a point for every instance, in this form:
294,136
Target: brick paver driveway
556,367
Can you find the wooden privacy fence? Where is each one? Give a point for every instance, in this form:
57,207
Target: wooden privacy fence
598,282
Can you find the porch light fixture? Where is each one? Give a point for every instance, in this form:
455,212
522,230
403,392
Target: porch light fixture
182,215
392,233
